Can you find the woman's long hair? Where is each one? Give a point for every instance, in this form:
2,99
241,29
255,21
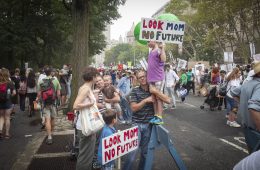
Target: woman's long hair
4,76
31,79
233,74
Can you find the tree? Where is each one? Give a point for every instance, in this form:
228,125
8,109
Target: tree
213,27
126,52
97,12
34,31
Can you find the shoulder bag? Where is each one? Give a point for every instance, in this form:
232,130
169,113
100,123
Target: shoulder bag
91,120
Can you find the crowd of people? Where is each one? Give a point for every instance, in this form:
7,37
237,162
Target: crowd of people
49,89
136,97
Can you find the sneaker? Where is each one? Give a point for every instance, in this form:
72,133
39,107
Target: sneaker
234,124
48,141
228,122
156,120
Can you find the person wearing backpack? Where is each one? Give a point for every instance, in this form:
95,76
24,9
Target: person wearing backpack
48,90
31,91
22,92
7,90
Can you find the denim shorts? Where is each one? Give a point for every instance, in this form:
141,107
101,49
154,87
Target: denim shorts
231,105
6,105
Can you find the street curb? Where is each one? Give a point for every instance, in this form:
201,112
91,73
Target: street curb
24,159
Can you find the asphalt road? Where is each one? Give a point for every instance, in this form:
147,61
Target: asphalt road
201,137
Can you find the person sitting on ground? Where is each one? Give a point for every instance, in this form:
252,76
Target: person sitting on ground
110,119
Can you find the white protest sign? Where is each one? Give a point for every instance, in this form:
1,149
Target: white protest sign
119,144
223,67
181,64
256,57
228,57
143,65
199,67
229,67
162,31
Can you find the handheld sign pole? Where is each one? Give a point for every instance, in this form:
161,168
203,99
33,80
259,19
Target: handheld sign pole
119,159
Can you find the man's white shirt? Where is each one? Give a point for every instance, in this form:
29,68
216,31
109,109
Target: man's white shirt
170,78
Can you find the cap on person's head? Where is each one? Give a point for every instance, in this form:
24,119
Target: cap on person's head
257,67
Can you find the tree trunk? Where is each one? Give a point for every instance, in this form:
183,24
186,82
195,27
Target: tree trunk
79,59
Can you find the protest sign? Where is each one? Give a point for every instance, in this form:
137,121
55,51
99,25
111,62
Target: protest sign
199,67
228,57
120,66
162,31
229,67
256,57
129,63
181,64
119,144
223,67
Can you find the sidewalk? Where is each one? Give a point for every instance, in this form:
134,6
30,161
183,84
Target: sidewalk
38,155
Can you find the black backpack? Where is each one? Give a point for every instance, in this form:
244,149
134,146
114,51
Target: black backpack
223,88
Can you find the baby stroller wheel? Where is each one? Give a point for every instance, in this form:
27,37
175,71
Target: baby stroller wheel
73,157
219,108
201,107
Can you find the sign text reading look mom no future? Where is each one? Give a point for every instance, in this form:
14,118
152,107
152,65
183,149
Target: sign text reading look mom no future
162,31
119,144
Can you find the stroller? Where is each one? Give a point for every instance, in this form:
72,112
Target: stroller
74,152
213,100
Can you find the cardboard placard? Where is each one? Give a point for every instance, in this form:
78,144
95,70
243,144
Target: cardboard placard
162,31
119,144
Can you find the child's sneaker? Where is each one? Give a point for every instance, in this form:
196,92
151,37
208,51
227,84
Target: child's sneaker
156,120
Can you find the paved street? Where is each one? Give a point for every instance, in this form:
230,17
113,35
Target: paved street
201,137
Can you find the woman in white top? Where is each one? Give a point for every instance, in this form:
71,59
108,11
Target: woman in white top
31,91
85,99
233,80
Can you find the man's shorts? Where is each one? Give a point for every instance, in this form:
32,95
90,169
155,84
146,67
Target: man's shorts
49,111
159,85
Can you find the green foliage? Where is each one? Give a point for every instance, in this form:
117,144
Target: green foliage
40,32
125,52
35,32
213,27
